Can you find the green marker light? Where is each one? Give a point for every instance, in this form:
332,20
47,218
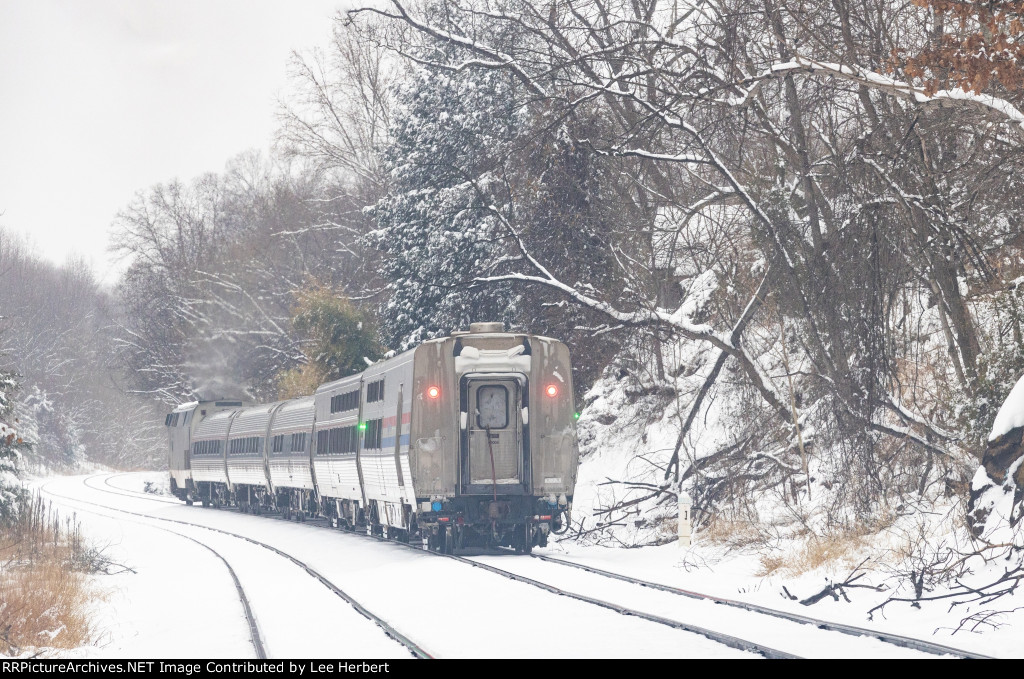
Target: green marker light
575,416
362,426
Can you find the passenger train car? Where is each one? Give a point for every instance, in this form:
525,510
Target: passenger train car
464,440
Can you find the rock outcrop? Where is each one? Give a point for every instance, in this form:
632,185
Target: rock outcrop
997,491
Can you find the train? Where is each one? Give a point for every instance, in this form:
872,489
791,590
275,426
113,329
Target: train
467,440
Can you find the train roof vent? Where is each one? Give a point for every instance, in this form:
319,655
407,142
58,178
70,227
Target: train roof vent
486,327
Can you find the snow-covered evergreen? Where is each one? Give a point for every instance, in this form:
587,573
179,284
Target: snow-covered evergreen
12,442
437,227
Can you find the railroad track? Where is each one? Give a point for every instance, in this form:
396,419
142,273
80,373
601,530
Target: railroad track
250,618
254,630
718,637
726,639
115,490
386,627
895,639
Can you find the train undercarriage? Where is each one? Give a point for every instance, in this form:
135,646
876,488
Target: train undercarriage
519,522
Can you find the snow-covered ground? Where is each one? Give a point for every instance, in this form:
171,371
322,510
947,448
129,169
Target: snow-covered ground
448,608
180,601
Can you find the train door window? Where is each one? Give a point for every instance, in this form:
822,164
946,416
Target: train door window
492,407
372,437
277,444
321,442
167,420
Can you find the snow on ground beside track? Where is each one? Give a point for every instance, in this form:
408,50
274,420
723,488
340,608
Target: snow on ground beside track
450,608
431,599
145,612
734,575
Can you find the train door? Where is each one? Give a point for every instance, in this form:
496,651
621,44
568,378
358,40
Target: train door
492,455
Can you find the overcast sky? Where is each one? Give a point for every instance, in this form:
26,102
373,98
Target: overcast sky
103,98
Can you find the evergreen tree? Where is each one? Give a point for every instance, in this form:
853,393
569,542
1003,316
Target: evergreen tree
435,227
11,491
338,339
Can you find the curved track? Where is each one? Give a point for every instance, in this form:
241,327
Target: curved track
115,490
719,637
386,627
250,619
254,632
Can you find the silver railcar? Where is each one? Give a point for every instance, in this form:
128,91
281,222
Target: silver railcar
468,439
493,449
288,457
248,475
182,424
208,460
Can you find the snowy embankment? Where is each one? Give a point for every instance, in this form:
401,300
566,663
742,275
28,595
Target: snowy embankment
776,554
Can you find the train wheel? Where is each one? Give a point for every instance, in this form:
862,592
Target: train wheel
527,533
447,541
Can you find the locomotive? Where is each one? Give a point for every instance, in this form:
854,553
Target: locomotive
467,440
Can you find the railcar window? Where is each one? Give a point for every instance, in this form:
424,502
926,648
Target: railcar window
207,448
347,401
249,445
335,441
375,391
277,444
372,435
298,443
492,407
167,420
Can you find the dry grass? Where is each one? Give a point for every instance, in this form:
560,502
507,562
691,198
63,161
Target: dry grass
838,551
733,533
44,590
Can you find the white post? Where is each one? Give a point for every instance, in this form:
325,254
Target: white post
685,526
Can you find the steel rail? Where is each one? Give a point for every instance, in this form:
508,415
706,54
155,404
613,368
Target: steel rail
250,618
386,627
852,630
895,639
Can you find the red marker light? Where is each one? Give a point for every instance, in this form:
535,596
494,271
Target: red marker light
433,392
551,390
